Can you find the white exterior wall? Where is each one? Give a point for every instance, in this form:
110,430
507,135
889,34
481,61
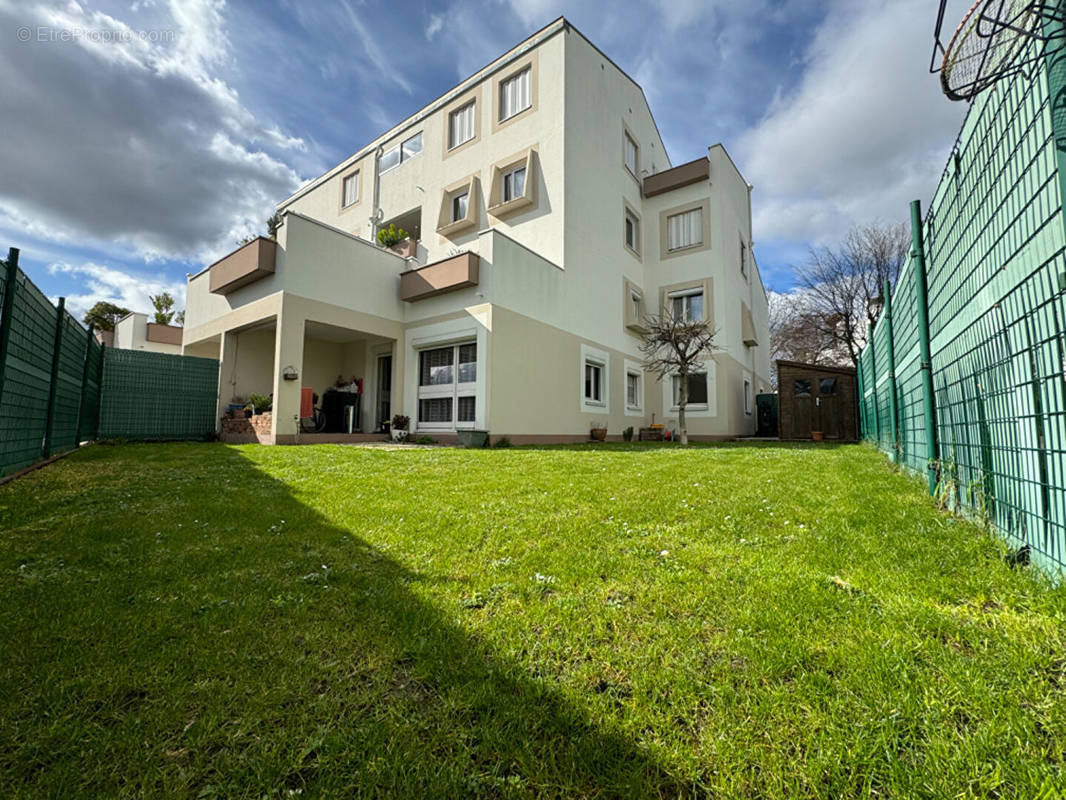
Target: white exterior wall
551,276
131,333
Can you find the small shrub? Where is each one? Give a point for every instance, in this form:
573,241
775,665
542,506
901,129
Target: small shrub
387,237
424,440
627,434
260,403
503,441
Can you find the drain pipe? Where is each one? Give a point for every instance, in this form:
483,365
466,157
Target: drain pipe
375,214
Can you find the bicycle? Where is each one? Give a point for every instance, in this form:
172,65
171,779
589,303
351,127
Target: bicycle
316,423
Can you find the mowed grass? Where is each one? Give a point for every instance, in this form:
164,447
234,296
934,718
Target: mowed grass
207,621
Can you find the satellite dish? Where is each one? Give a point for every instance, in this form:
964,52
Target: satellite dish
990,43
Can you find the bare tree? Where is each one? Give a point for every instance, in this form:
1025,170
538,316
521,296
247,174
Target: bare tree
674,345
846,284
797,332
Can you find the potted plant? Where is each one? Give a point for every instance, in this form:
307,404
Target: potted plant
627,434
598,432
260,403
816,435
397,240
400,425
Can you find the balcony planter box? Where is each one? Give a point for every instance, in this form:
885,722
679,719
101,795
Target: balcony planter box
472,438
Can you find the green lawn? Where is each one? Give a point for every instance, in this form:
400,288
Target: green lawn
200,620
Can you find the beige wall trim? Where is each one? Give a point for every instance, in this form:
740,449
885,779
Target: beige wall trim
445,225
633,321
664,233
707,284
530,62
497,206
357,172
627,209
677,177
446,116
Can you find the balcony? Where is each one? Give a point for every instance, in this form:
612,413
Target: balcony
163,334
244,265
457,272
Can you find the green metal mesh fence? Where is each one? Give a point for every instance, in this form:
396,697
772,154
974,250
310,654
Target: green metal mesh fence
994,242
157,396
51,399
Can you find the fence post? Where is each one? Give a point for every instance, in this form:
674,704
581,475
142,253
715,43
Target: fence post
893,412
873,382
85,377
46,446
862,397
99,393
12,270
924,349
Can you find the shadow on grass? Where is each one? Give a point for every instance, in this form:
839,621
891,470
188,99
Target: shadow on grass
256,649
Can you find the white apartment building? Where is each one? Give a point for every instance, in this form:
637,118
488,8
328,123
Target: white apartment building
135,332
546,220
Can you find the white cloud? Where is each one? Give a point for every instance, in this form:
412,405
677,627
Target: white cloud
866,131
434,26
124,142
114,285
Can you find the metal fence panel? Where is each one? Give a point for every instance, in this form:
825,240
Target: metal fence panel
995,255
157,396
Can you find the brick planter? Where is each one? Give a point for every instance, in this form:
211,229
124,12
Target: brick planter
247,429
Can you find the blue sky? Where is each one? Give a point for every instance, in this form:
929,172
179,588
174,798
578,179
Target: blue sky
156,134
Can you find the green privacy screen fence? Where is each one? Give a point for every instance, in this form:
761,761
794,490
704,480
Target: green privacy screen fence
59,387
983,410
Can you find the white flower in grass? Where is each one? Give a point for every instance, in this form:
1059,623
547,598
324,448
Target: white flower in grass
664,553
543,578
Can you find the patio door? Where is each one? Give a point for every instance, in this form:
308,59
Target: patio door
384,400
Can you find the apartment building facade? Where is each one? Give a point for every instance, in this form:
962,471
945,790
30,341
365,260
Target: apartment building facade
546,221
135,332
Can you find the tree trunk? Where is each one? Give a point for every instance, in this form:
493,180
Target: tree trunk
682,401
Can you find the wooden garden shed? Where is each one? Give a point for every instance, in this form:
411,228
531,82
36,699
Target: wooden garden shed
813,397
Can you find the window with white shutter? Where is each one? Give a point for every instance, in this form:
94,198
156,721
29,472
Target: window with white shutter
684,230
350,190
461,125
631,154
515,94
447,379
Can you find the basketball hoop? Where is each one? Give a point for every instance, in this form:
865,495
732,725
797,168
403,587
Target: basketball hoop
988,44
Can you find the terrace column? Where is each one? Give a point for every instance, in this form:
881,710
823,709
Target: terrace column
288,352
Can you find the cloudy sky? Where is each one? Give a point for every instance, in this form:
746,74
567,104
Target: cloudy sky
142,138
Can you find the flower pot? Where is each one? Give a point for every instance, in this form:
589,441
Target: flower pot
472,438
816,435
399,435
598,434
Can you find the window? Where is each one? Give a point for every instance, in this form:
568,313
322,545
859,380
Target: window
459,205
515,94
684,230
743,259
513,183
827,386
802,388
687,306
630,154
633,389
697,389
593,382
632,232
747,396
404,151
350,190
446,384
461,125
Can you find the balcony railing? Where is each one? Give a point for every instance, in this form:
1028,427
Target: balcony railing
244,265
453,273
